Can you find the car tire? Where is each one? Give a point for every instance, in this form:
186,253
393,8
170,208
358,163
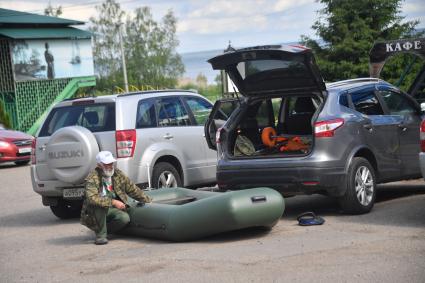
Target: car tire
20,163
360,191
66,210
165,175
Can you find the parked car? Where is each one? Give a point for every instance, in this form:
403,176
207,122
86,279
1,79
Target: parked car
294,133
15,146
157,138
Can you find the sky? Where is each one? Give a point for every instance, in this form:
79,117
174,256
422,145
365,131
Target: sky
211,24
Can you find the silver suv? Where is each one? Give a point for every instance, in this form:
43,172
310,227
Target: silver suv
157,138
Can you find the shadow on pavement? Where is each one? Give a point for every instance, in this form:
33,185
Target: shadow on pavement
36,217
396,190
238,235
72,240
11,165
396,205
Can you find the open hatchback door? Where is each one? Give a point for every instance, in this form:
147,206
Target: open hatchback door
276,69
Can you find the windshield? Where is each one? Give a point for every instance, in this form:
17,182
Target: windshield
95,117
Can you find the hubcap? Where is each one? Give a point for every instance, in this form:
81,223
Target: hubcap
167,180
364,185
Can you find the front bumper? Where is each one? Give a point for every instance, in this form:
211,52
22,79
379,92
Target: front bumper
12,156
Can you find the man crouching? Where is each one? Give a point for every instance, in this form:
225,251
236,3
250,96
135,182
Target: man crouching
106,196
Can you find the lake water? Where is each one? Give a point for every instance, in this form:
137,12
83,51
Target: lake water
196,63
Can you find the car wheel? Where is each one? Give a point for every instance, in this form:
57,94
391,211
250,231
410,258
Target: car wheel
66,210
165,176
360,192
19,163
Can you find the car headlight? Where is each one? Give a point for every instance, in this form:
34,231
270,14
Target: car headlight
3,144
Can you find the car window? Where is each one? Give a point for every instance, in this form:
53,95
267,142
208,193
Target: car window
343,100
366,103
293,68
95,117
200,109
146,115
172,113
396,103
263,114
301,105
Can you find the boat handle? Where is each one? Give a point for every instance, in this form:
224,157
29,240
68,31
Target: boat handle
258,198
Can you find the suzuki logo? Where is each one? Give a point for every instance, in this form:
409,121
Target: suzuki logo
66,154
403,46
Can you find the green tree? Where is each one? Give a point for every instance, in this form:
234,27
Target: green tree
53,11
106,47
347,31
201,80
150,47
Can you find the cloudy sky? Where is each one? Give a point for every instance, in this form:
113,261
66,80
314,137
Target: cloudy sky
210,24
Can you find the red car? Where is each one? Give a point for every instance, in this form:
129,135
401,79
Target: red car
15,146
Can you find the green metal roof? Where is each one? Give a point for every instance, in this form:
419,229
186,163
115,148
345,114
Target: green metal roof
10,17
32,33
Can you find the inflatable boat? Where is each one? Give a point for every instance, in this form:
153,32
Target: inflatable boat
178,214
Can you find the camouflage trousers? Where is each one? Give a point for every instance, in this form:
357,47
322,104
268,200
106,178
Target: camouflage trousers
110,220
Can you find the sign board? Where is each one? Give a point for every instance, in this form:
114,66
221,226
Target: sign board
382,50
51,59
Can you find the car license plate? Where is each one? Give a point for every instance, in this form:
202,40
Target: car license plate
24,150
73,193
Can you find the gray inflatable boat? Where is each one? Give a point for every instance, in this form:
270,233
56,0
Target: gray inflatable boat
179,214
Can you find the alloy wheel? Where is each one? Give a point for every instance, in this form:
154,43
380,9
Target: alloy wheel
364,185
167,180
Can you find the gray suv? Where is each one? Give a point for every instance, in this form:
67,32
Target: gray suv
293,132
157,138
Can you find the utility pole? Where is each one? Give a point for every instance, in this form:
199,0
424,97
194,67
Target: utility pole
124,68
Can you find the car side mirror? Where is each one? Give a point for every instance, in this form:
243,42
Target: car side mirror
423,107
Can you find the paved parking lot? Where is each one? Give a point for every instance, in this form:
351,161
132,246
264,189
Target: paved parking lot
387,245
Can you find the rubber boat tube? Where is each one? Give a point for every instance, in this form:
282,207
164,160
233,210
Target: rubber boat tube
179,214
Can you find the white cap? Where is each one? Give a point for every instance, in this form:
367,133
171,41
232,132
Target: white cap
105,157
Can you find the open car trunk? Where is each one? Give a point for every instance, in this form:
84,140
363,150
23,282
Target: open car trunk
282,88
277,126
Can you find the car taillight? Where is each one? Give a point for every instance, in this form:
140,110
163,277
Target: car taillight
423,136
126,143
326,129
218,136
33,159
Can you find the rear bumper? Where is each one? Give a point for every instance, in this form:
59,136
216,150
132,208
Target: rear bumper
50,188
294,180
422,163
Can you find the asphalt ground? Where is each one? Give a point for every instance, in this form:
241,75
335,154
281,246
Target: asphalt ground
386,245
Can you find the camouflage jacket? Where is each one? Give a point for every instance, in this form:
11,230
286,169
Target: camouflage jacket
123,188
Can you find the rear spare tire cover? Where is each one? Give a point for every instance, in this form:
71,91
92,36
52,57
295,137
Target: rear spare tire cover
71,154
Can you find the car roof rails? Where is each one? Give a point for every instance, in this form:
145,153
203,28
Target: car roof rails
155,91
75,98
354,81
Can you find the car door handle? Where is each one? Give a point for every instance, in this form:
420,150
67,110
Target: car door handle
368,127
42,148
402,127
167,136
